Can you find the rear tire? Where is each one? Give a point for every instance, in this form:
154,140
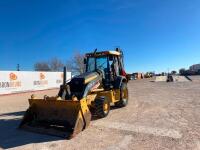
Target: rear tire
102,107
123,96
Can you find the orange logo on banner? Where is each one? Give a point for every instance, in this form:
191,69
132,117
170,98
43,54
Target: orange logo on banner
62,75
13,76
41,81
42,76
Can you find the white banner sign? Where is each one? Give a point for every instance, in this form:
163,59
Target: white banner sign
21,81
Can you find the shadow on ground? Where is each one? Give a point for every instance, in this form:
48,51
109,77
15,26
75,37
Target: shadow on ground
11,136
20,113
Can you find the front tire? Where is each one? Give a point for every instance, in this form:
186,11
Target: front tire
123,96
102,107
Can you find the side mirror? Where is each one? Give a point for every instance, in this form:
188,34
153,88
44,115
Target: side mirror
85,61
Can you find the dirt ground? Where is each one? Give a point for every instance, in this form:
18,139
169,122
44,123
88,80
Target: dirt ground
159,115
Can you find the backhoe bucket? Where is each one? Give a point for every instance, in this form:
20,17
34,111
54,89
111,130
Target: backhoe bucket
64,118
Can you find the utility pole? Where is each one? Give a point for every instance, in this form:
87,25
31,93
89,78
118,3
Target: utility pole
18,67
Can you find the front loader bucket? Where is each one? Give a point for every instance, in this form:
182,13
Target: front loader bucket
63,118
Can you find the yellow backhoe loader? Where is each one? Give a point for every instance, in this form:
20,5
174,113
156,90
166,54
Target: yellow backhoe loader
91,93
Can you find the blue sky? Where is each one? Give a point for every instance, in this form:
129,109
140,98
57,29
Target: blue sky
154,34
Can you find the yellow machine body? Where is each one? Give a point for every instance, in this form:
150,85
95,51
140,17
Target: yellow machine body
112,95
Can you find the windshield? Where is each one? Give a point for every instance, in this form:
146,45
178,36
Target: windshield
101,63
90,64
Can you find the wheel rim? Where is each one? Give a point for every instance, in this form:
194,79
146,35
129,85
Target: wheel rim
125,94
105,107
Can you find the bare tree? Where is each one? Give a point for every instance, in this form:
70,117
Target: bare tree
42,66
76,64
79,62
69,65
55,64
182,71
173,72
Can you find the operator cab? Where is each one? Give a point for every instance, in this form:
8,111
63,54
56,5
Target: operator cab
109,63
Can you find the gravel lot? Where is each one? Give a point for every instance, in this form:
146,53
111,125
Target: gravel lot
160,115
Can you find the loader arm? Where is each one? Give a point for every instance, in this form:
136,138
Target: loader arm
80,86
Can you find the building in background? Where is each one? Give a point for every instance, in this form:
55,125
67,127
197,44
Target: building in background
195,68
138,75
